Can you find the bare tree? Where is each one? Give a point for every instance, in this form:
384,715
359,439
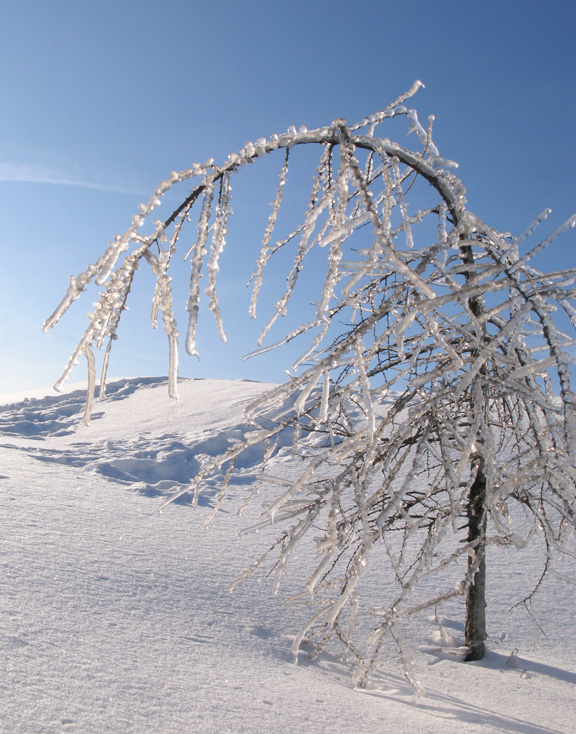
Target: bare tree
431,403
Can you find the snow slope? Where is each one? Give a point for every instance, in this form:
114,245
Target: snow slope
116,618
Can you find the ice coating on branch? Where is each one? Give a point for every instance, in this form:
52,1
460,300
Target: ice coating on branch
432,352
264,252
77,285
568,224
199,250
223,211
391,110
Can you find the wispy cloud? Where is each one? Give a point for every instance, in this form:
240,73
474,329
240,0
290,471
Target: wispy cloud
32,173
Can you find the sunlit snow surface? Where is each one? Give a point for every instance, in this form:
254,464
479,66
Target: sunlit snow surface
115,618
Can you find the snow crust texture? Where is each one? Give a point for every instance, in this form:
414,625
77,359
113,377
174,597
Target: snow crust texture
116,618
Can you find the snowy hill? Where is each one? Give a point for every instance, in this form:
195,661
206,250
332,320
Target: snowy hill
116,618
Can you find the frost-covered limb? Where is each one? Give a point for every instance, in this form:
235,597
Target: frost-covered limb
264,252
430,407
327,137
199,250
218,243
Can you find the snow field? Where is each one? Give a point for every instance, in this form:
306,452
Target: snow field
115,618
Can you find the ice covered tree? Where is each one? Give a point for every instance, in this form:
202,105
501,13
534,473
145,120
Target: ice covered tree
431,405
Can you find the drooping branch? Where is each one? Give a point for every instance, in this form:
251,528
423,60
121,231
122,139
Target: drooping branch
431,403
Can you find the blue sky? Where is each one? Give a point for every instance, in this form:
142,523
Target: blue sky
101,100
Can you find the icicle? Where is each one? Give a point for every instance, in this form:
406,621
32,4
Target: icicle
299,639
325,404
218,243
264,256
173,368
155,304
331,278
339,219
364,385
300,404
197,260
104,373
442,234
91,384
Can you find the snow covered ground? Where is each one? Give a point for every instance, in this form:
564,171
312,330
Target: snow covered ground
115,618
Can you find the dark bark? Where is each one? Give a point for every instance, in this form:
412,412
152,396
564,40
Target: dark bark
475,629
475,626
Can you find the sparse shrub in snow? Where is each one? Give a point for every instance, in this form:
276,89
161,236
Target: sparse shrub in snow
432,402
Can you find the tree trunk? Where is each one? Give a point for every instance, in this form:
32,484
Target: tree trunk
475,630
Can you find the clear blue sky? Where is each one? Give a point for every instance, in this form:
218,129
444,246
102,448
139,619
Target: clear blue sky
101,100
